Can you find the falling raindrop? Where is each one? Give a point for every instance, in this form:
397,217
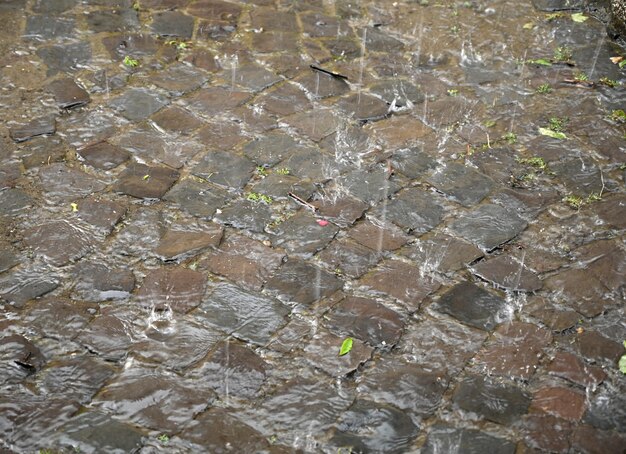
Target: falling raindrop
234,62
362,66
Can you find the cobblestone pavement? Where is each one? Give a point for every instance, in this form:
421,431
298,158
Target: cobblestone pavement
201,201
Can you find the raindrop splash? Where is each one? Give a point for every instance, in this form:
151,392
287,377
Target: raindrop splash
234,63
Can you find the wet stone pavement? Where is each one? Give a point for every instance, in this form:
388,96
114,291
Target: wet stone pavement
200,200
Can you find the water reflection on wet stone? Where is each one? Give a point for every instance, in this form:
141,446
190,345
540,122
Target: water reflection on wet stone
201,200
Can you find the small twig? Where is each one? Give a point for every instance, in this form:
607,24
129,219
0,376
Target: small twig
580,83
302,202
88,144
330,73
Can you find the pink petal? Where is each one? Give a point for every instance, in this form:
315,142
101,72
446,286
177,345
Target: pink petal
322,222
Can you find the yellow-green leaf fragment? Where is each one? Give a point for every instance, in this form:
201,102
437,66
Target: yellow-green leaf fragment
579,17
551,133
74,206
145,177
131,62
622,364
346,346
540,62
528,26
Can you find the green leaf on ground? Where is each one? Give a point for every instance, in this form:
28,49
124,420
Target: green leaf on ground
541,62
622,364
579,17
131,62
346,346
551,133
163,438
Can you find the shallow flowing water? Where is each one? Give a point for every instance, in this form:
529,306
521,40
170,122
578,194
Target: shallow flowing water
200,200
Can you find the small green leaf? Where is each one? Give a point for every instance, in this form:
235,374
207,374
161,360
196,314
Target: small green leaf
622,364
510,137
579,17
544,88
551,133
131,62
557,124
541,62
562,53
163,438
346,346
618,116
574,201
553,16
581,77
609,82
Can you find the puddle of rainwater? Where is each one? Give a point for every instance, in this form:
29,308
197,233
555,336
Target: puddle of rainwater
167,363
